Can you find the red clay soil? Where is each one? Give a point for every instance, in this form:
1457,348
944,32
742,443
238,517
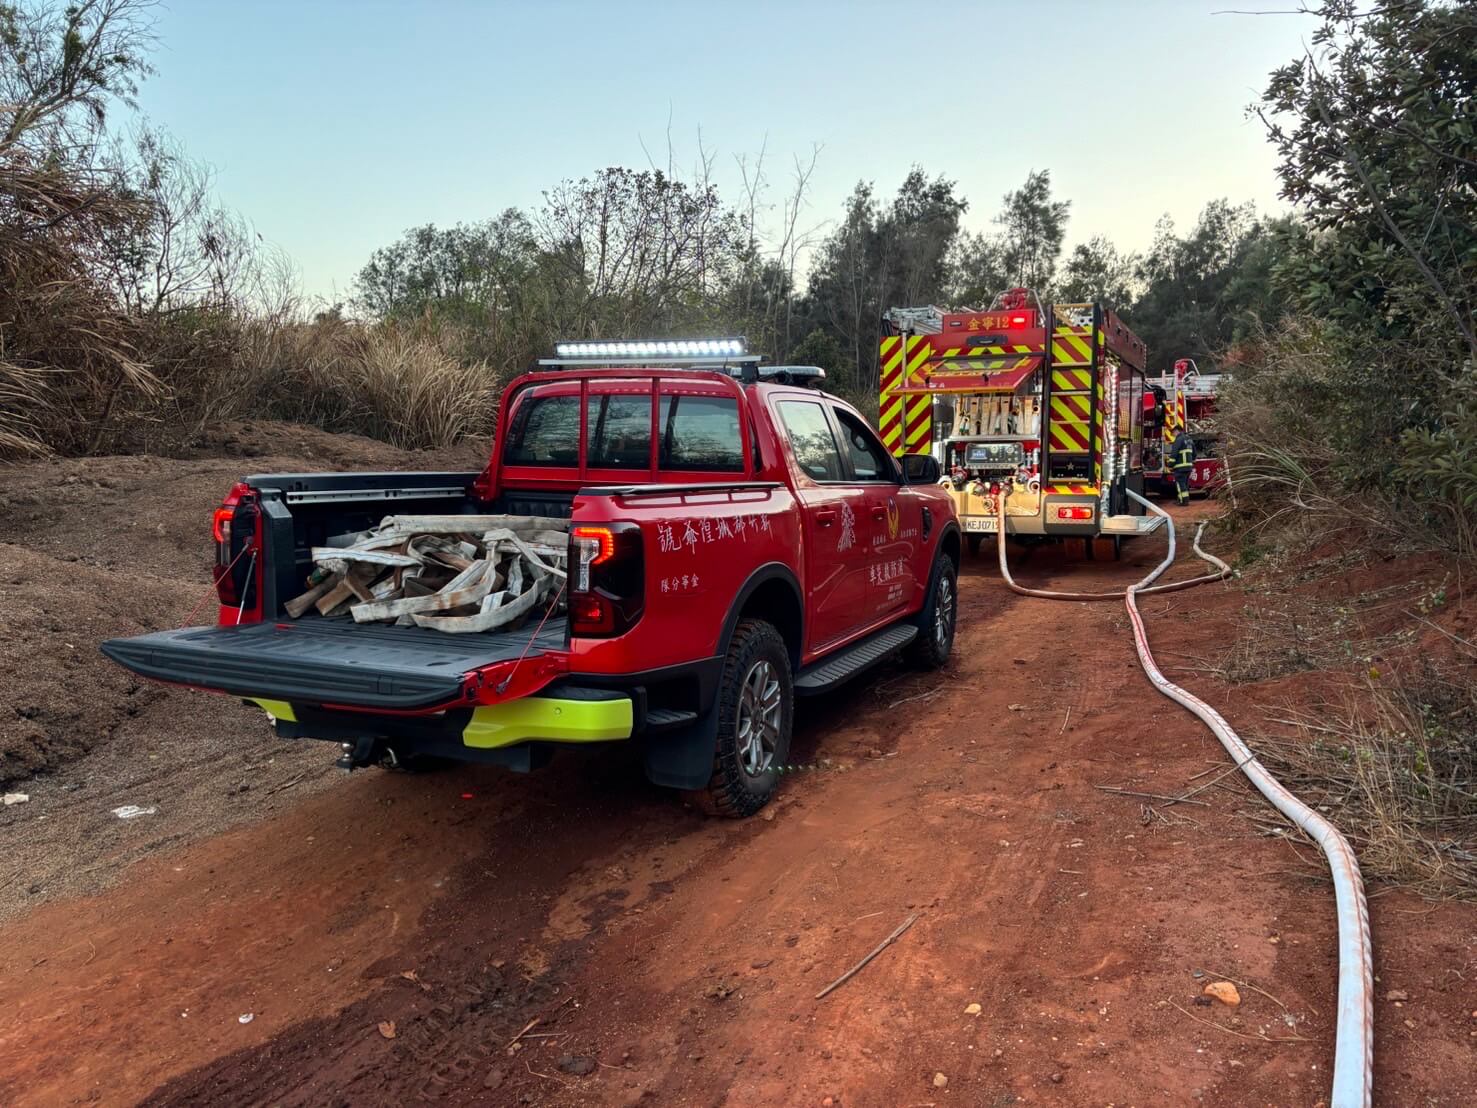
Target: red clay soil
392,936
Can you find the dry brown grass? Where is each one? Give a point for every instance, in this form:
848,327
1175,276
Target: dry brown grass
413,387
410,387
81,372
1395,766
66,354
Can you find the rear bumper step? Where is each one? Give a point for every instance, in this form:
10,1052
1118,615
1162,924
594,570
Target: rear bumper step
1131,525
324,661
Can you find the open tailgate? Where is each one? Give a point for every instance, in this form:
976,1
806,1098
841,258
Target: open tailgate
327,661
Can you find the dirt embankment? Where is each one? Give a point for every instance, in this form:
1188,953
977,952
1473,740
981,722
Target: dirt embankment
99,547
391,937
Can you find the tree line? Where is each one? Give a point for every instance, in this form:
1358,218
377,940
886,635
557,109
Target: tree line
645,252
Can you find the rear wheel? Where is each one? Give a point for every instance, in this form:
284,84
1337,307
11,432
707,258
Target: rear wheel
974,540
935,641
1107,548
756,710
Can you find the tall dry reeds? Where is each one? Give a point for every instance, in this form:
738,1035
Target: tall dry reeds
408,385
67,355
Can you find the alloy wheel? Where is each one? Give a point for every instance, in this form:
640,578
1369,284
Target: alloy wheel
759,707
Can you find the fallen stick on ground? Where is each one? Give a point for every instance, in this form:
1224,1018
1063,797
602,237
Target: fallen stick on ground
1209,784
1243,1034
285,785
527,1028
1151,796
883,945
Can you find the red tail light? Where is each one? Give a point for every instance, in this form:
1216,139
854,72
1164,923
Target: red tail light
607,585
592,614
598,541
234,527
1074,512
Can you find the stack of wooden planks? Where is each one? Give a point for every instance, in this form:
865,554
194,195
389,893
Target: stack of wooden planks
451,573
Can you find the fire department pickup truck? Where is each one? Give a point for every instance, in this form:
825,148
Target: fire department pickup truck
737,537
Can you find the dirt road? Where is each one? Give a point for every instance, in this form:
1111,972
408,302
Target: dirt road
383,939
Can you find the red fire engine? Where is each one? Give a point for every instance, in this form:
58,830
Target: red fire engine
1184,398
1043,404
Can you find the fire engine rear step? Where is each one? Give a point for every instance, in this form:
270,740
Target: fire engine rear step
1131,525
851,661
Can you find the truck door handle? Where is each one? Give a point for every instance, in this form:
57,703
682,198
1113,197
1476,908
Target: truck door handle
825,517
879,512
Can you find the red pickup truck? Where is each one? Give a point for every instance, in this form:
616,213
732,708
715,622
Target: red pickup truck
741,538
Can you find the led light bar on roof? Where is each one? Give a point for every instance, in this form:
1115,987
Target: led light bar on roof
653,348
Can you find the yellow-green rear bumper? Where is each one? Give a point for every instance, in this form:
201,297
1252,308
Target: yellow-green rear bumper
549,719
531,719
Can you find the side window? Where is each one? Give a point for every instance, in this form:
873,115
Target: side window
869,461
810,436
700,432
545,431
619,430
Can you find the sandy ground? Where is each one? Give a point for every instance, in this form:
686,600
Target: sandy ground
389,936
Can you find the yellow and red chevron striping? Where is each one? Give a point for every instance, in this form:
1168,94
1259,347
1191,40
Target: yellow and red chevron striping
1069,348
1071,380
1070,437
1071,406
890,423
899,360
919,424
1071,490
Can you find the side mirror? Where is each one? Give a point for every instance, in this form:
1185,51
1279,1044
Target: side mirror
920,469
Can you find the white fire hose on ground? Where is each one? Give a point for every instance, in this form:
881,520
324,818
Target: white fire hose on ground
1354,1039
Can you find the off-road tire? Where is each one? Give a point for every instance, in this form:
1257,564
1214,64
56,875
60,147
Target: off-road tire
733,791
938,619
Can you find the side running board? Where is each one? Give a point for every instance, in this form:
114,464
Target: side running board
830,672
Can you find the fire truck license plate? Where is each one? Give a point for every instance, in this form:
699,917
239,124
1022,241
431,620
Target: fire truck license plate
981,524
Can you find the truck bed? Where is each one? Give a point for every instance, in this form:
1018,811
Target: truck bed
333,661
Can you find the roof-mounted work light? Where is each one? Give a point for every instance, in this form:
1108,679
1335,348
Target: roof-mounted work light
643,348
633,352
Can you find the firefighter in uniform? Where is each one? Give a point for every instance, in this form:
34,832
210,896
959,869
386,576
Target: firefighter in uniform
1182,451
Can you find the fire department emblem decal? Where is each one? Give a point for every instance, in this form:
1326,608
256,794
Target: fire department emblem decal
894,519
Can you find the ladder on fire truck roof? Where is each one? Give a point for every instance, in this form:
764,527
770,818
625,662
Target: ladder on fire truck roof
928,320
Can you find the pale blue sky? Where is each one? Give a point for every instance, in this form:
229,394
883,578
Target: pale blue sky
334,125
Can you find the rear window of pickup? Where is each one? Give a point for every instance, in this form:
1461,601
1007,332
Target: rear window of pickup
696,430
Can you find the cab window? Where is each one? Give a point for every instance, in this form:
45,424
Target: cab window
810,436
545,431
869,461
700,432
619,430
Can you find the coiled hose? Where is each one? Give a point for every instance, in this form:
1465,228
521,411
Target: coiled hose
1353,1059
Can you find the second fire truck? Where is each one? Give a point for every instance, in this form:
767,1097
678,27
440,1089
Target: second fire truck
1043,404
1184,398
